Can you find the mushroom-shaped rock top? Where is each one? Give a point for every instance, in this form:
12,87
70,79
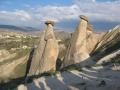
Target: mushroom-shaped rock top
84,17
49,22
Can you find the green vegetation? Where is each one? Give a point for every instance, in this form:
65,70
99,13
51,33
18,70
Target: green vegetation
29,41
71,67
18,43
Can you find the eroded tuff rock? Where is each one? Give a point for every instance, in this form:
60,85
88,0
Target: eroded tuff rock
92,39
82,43
45,56
108,47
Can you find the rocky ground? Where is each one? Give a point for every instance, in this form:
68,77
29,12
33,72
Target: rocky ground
95,78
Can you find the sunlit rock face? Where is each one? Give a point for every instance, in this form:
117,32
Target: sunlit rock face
45,56
82,44
77,50
92,38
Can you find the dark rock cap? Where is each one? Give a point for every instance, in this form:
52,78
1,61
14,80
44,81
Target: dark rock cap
84,17
49,22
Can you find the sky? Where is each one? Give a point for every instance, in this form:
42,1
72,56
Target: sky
102,14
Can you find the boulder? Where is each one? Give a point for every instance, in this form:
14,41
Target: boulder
22,87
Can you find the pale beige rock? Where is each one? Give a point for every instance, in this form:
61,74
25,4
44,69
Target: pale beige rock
77,50
116,68
82,43
92,40
22,87
46,53
7,70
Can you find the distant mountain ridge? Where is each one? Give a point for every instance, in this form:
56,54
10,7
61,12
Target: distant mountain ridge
60,34
18,28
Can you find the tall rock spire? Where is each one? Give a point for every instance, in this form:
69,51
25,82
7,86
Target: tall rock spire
77,50
46,53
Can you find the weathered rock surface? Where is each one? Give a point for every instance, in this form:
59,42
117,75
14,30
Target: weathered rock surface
86,46
8,70
46,53
82,43
5,55
108,47
92,41
109,57
88,78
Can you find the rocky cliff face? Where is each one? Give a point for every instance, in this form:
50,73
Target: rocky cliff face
109,45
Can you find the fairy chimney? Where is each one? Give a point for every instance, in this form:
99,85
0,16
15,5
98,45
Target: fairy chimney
46,54
77,50
89,29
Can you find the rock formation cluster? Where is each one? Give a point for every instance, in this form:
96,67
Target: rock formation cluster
45,56
84,46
